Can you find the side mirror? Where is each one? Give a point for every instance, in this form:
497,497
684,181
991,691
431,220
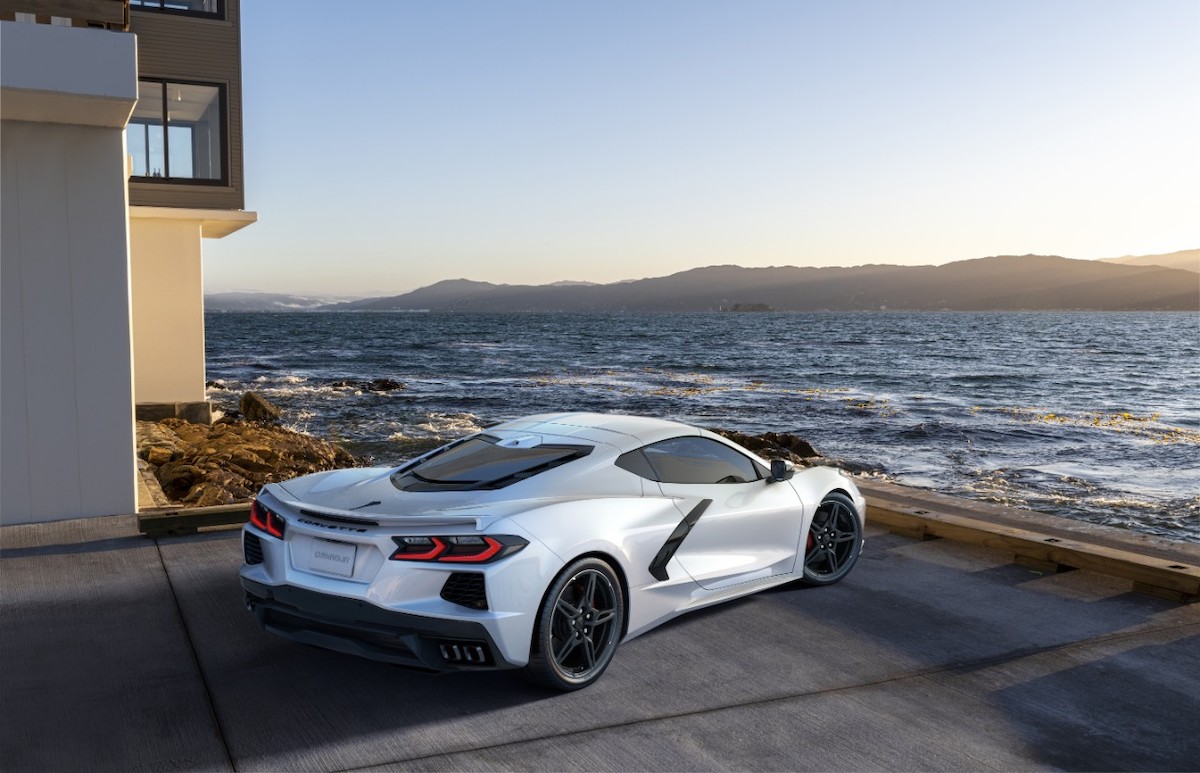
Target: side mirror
781,470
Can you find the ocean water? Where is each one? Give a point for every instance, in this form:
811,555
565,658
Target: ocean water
1094,416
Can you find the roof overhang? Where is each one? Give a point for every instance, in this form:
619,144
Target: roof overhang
214,223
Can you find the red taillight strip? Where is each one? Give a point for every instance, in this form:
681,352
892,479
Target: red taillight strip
263,517
492,549
257,513
438,547
275,524
446,550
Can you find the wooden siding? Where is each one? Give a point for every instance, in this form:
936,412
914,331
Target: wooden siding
110,14
194,49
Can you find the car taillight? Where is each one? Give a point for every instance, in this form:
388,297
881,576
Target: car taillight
267,519
462,550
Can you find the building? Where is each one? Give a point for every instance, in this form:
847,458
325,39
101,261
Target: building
122,149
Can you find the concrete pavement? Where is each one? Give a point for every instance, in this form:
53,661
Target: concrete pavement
118,652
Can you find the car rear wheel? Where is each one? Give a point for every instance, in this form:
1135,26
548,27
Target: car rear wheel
578,627
834,541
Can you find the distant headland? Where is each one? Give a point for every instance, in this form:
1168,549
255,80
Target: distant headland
1000,283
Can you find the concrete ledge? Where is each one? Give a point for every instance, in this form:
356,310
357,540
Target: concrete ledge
1156,567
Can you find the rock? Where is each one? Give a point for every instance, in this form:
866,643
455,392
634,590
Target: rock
208,495
781,445
177,478
796,445
205,465
159,440
255,407
374,385
856,468
157,455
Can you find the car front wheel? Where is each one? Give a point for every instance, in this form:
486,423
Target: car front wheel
578,627
834,541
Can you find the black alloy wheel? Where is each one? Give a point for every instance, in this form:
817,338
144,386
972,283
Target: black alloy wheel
834,541
579,626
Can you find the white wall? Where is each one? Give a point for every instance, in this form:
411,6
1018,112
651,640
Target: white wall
66,375
168,310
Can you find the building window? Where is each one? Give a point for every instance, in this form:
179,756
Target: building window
177,132
214,8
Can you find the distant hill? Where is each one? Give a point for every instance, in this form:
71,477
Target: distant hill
1001,283
1188,260
249,301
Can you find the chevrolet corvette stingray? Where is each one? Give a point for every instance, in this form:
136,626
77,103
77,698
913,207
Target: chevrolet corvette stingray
539,544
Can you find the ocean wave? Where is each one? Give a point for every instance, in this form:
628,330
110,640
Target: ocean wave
446,425
301,388
1147,426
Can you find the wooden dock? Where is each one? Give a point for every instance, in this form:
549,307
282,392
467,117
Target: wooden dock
1158,567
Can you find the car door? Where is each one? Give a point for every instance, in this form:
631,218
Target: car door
748,530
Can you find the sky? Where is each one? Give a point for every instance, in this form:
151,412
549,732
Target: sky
391,145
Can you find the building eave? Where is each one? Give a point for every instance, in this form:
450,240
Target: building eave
214,223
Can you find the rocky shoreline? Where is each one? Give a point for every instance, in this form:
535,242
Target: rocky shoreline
199,465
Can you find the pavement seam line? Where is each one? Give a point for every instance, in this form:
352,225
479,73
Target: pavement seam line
922,673
187,634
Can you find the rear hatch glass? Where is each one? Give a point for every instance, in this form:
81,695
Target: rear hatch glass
483,462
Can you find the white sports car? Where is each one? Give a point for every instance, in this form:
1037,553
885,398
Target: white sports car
540,544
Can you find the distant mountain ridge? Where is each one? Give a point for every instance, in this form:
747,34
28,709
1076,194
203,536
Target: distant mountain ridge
1000,283
253,301
1188,260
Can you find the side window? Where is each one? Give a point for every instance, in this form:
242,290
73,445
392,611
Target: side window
698,460
635,462
177,132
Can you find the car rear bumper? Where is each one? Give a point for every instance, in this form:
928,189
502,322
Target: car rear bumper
360,628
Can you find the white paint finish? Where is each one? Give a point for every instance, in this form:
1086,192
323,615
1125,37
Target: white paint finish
168,309
214,223
103,333
14,438
54,74
68,444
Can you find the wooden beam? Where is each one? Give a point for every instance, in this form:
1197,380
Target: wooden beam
1155,575
106,11
176,521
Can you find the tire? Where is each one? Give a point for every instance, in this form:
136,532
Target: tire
834,541
578,627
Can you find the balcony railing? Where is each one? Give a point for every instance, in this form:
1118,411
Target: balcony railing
106,14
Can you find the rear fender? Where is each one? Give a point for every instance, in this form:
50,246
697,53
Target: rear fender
630,529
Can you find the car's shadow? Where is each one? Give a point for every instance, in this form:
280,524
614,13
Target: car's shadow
283,705
283,702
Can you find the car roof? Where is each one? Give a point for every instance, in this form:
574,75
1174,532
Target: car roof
624,432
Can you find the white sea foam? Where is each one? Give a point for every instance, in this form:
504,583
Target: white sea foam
448,424
283,391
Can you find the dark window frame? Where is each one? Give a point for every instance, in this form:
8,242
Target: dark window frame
222,107
160,6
